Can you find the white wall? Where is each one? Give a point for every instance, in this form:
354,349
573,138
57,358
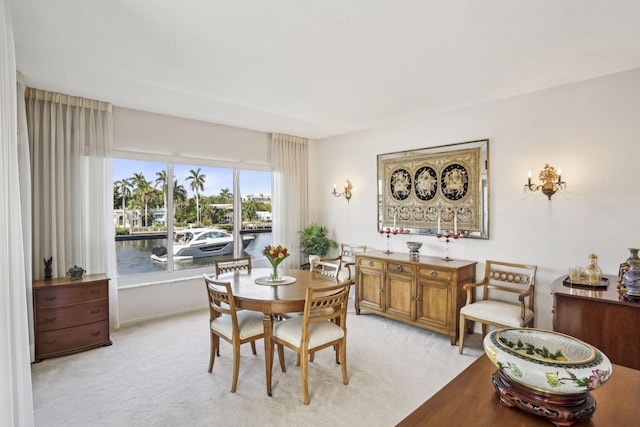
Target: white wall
589,129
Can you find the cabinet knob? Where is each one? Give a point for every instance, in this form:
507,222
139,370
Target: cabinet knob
50,297
370,263
50,319
381,291
399,267
51,342
433,273
95,291
95,311
95,334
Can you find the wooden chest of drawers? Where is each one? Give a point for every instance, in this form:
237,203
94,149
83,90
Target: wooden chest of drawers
70,315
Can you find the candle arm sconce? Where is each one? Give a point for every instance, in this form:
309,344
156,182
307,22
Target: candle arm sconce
346,193
551,181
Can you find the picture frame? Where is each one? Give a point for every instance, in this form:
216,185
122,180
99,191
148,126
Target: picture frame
435,189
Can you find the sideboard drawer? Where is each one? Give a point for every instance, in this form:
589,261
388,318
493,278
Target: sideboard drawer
67,295
399,267
70,340
435,274
375,264
72,315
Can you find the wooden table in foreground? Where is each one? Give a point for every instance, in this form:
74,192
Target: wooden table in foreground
471,400
274,299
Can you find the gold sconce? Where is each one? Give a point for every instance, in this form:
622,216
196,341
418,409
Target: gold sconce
347,190
551,181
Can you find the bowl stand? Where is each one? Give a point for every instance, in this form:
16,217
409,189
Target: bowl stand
561,410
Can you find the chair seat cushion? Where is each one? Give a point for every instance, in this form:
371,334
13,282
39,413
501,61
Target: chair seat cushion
249,323
497,312
320,333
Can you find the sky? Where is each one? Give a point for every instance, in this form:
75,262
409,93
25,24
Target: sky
251,182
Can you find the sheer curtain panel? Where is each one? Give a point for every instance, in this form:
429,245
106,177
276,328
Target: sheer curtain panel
71,141
16,401
290,163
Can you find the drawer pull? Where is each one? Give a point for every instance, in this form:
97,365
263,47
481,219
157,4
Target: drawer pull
399,267
95,291
433,273
51,342
370,263
95,311
50,319
50,297
95,334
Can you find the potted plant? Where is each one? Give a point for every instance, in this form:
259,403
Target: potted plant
315,241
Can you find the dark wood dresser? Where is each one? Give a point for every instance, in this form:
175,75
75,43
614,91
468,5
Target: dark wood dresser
70,315
602,318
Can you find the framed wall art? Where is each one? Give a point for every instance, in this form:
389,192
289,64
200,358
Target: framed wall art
437,188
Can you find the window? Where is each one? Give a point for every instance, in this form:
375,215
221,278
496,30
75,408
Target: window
196,210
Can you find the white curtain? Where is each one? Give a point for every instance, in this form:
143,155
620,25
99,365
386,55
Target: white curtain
290,163
71,141
16,402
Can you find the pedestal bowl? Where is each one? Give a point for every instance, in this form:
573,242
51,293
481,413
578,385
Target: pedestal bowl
547,361
414,248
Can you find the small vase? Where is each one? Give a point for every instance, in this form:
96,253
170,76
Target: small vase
275,275
631,278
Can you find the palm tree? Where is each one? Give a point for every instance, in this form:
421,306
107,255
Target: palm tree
197,184
226,195
145,190
179,194
124,189
161,179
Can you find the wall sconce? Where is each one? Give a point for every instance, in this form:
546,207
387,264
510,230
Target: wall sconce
347,190
551,181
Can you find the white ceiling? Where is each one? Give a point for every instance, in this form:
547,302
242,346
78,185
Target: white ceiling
318,68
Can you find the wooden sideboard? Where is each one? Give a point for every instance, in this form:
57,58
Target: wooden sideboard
470,399
70,315
602,318
424,291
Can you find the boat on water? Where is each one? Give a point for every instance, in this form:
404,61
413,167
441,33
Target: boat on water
191,243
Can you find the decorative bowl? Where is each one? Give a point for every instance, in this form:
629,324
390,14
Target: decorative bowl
547,361
75,272
414,246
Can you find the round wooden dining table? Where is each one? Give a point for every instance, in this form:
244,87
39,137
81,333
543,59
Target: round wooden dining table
273,299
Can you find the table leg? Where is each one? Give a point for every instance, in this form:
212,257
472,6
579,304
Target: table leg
268,348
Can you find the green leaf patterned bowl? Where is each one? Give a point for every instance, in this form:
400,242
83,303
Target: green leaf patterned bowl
547,361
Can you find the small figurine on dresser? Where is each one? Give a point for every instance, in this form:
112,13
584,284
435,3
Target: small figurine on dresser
48,274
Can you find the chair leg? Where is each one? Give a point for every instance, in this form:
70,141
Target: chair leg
484,330
304,375
463,322
236,366
215,344
281,357
343,361
253,347
336,347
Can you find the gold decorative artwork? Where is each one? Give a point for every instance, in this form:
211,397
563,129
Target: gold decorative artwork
437,188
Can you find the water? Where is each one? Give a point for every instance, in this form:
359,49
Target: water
134,256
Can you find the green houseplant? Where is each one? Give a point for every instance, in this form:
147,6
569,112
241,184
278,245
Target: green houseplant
314,240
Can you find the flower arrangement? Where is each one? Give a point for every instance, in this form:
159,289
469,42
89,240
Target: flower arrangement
275,255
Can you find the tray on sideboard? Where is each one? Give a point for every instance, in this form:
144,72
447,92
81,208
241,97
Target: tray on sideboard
604,284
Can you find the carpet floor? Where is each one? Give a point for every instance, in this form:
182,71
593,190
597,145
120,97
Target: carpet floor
155,374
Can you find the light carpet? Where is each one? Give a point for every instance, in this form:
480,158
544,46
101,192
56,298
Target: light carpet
155,374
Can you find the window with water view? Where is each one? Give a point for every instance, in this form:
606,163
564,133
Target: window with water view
195,204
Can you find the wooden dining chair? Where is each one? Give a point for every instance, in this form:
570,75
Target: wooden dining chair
312,332
235,327
340,266
508,292
233,264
